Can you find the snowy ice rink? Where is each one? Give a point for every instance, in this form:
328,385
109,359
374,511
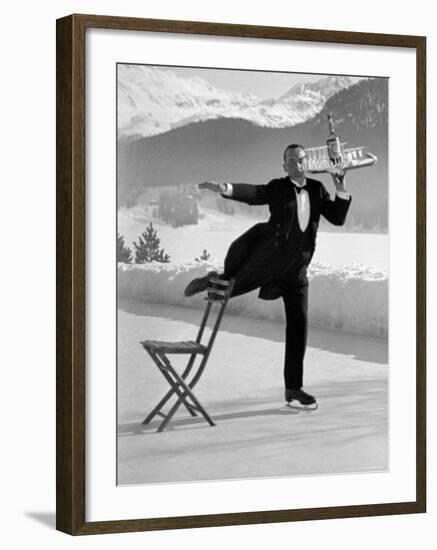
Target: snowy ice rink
256,434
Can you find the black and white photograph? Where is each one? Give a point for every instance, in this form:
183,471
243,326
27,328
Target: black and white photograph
252,274
218,292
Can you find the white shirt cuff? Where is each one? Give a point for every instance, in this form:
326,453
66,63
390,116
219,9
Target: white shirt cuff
343,195
228,192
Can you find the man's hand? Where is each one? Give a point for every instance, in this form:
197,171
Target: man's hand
339,181
213,186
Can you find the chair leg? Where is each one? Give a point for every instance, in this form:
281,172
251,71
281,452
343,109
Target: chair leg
177,404
171,392
163,401
178,387
181,399
174,389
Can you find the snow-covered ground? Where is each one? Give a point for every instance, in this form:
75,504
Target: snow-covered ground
349,299
256,434
348,274
215,232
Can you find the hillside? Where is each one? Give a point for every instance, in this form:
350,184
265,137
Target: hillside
237,150
153,100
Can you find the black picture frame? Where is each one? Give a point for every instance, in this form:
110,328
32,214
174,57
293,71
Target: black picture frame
71,254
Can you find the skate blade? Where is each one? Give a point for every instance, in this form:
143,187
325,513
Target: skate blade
296,405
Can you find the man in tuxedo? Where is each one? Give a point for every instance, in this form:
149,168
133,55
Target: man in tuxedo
274,256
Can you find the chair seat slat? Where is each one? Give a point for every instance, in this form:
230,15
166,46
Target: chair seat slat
174,347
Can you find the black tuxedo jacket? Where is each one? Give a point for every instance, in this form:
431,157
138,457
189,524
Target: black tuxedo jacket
280,197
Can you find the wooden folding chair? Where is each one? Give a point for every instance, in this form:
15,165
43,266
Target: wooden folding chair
218,293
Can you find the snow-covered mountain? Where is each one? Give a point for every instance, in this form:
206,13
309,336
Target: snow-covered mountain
226,149
153,100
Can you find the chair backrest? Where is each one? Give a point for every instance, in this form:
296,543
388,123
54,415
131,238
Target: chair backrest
218,292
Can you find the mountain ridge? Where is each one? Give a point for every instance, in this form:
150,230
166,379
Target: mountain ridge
152,101
237,150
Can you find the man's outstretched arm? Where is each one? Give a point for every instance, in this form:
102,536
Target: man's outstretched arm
243,192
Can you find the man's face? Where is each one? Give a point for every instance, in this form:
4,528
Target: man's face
295,163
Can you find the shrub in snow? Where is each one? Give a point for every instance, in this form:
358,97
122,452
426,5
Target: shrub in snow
148,248
204,257
124,253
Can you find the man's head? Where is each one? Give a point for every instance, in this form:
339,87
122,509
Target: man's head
295,162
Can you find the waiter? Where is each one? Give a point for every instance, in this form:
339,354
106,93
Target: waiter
274,256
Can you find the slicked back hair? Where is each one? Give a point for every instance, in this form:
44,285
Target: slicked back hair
293,146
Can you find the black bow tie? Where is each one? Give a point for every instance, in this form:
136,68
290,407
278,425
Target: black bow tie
299,188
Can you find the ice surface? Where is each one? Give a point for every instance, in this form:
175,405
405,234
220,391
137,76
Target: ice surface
242,389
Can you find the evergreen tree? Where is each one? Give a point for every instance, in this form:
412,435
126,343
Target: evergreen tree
124,253
148,248
204,257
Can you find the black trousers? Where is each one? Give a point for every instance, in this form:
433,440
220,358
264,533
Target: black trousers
296,331
255,266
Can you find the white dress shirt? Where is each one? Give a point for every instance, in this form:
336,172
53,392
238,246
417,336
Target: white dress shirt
303,205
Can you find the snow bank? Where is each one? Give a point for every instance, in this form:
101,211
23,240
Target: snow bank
352,298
